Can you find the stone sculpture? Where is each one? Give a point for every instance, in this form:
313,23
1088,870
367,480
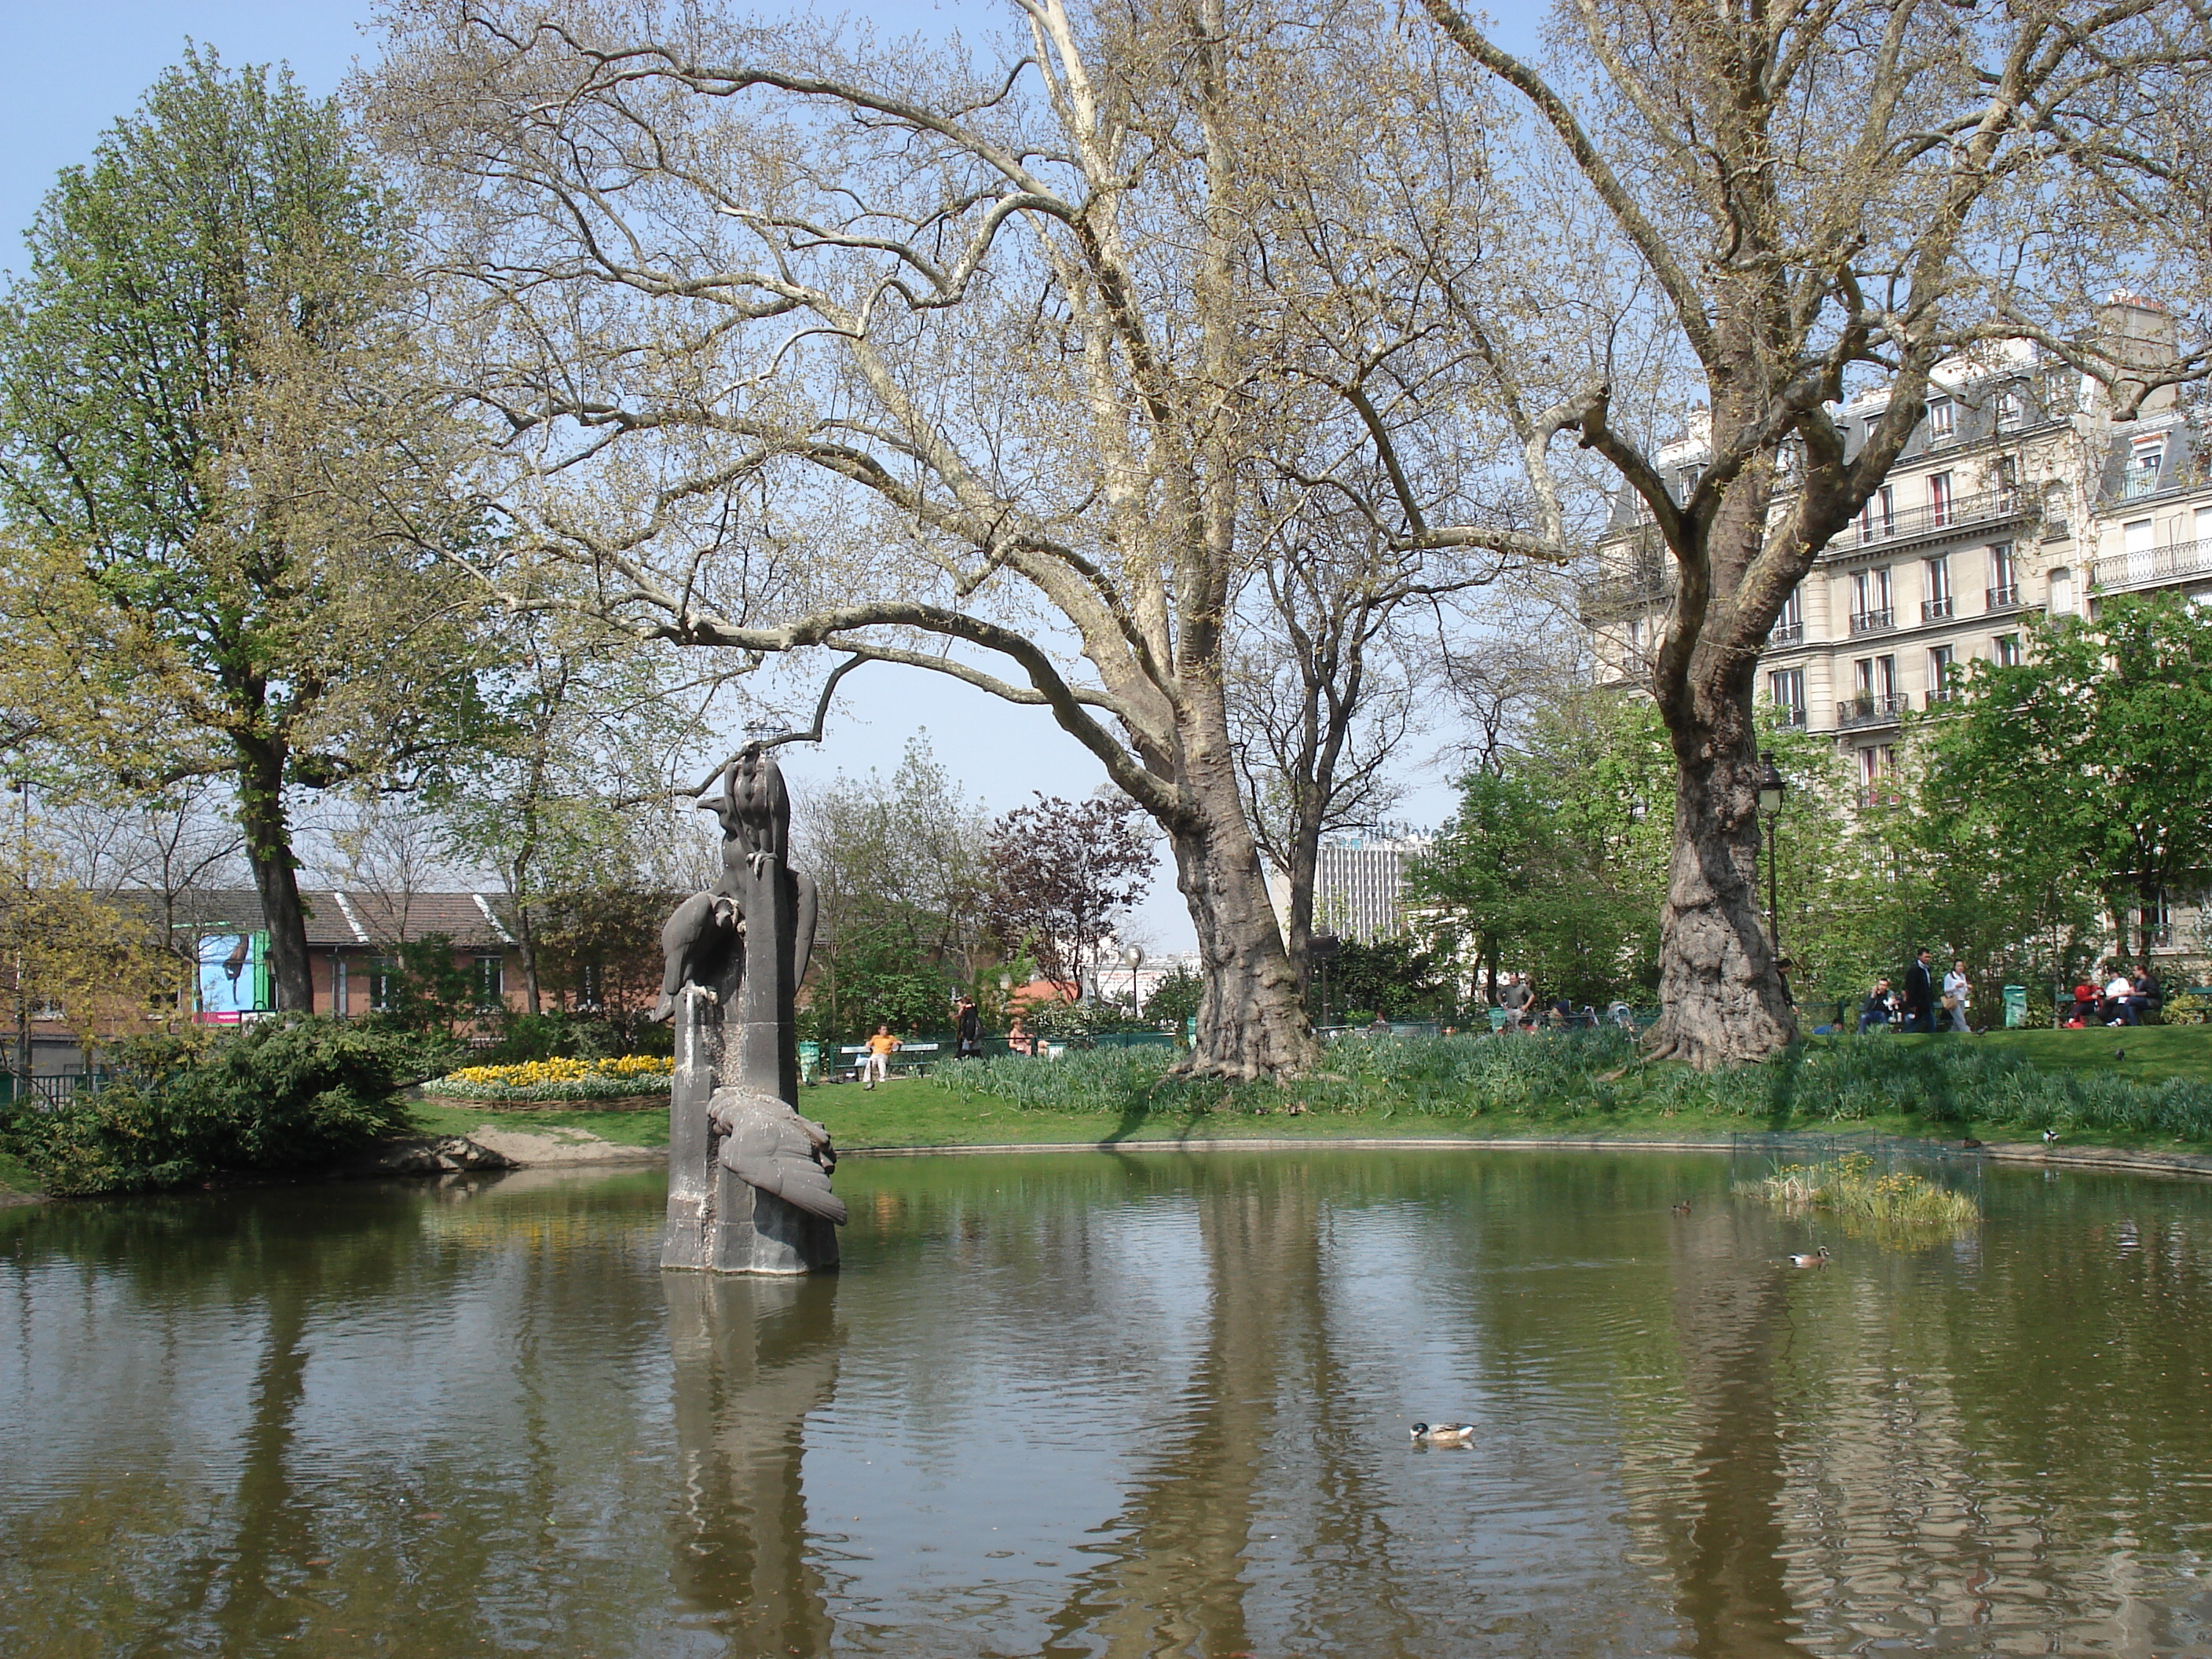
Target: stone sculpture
748,1177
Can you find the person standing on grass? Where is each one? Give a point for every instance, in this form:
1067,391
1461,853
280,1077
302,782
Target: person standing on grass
968,1031
1920,993
1957,993
1516,998
876,1064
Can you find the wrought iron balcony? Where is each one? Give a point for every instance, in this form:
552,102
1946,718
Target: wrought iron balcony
1870,711
1878,795
2004,599
1874,622
1789,714
1786,634
2154,567
1942,694
1960,512
1935,610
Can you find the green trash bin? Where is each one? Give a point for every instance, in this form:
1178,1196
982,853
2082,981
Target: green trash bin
2015,1007
809,1062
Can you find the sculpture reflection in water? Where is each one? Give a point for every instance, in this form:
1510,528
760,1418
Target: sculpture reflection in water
748,1177
752,1357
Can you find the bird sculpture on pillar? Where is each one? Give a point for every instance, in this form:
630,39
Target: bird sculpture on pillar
744,944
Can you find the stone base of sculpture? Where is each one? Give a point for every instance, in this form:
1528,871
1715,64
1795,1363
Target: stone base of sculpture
718,1222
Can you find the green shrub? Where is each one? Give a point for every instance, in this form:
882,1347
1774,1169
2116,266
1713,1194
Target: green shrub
274,1096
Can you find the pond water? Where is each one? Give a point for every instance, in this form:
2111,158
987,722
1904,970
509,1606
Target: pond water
1091,1404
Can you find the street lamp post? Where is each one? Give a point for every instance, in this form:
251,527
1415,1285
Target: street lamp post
1320,947
22,786
1132,959
1771,788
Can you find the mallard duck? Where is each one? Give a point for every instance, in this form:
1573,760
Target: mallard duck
1818,1258
1683,1208
1443,1434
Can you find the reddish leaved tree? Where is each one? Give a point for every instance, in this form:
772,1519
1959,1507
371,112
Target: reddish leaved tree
1061,873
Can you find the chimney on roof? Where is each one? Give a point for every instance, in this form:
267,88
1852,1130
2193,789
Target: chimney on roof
2138,333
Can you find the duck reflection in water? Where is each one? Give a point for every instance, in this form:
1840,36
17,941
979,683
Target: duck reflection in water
753,1357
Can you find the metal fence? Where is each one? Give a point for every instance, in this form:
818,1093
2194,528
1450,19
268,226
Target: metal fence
54,1090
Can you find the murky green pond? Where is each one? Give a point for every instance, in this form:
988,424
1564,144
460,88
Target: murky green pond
1096,1405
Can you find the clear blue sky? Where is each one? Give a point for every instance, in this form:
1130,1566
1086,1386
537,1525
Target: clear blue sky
93,59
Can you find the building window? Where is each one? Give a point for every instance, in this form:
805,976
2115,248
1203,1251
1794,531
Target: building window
1878,518
2012,410
2008,654
1870,609
2004,577
491,981
2157,922
1877,770
386,983
1942,419
1685,480
2061,591
1939,499
1936,579
1787,687
2145,457
2004,476
1790,626
1942,675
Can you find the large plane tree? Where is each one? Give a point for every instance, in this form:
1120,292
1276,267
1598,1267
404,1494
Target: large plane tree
1799,200
1012,365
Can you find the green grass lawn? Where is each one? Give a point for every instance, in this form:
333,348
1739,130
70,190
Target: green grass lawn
911,1113
2155,1053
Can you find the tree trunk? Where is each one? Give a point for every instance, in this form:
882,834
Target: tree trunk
269,851
1720,997
1252,1018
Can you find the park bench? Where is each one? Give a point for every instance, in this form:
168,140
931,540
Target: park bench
912,1059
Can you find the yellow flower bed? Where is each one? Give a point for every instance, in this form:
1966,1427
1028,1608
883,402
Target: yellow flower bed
534,1071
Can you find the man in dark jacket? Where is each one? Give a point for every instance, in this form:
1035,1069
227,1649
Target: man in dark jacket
1920,994
968,1031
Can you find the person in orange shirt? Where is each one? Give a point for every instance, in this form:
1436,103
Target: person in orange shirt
876,1064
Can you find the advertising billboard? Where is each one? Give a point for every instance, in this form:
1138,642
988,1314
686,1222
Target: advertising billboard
234,975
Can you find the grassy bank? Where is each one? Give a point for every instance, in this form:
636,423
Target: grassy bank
2001,1085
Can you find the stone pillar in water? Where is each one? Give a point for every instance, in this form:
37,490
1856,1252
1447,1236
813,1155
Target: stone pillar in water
737,1144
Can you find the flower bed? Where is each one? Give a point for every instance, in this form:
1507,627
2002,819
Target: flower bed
631,1076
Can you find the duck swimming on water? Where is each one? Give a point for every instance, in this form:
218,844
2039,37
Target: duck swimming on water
1817,1259
1443,1434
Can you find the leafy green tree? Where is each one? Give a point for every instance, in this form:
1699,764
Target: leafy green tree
1395,978
1557,861
226,473
899,865
2086,765
1174,999
573,799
